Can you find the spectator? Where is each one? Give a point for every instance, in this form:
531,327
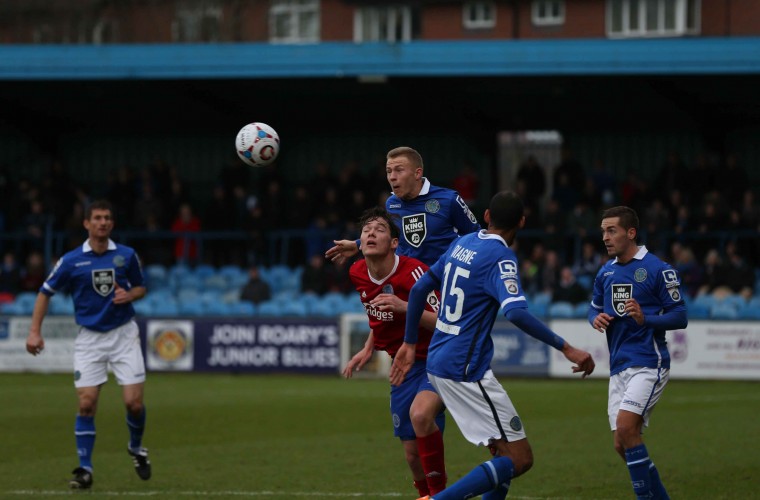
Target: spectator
732,181
255,290
314,277
671,176
568,289
33,275
219,216
467,183
688,268
531,173
186,245
586,267
735,276
35,224
550,271
712,268
10,274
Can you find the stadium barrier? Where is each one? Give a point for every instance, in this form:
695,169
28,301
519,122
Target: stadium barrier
705,350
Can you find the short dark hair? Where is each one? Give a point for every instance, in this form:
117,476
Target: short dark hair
379,213
410,153
506,209
97,205
628,217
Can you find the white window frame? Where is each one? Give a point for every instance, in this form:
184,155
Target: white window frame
681,11
293,10
545,19
190,17
375,15
479,14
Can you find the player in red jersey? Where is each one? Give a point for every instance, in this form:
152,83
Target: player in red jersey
383,280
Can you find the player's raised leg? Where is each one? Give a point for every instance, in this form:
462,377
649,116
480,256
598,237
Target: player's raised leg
428,421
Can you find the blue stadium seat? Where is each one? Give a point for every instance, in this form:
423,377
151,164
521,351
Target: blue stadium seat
12,309
542,298
723,310
216,281
192,307
580,310
323,309
561,310
538,309
165,309
156,275
203,271
706,300
698,310
242,308
143,308
188,295
61,305
735,300
750,310
269,308
294,308
216,308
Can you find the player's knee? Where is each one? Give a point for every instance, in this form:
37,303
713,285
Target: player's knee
412,457
134,407
423,420
523,462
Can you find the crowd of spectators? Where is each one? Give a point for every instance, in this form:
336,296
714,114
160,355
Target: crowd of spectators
703,218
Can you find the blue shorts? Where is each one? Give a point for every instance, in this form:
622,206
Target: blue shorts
402,397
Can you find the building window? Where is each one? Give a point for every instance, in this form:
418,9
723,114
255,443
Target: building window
294,21
548,12
197,21
392,23
478,15
652,18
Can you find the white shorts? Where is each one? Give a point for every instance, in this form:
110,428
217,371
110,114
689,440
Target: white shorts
636,390
119,349
481,409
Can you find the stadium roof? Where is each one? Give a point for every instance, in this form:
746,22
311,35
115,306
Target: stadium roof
597,57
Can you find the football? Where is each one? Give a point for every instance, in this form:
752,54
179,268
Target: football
257,144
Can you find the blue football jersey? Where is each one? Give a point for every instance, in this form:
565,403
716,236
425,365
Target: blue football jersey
655,285
430,222
91,279
477,278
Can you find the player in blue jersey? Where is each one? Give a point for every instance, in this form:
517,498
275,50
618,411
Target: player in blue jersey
636,299
478,279
104,278
429,217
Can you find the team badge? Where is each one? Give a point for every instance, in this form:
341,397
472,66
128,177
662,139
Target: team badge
507,269
621,293
640,274
511,286
432,206
515,423
103,281
388,288
415,229
432,300
396,420
119,261
77,375
675,294
170,344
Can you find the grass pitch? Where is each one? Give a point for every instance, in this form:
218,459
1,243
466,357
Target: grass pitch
286,436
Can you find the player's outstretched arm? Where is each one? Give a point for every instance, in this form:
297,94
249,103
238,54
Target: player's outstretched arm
360,358
35,344
342,251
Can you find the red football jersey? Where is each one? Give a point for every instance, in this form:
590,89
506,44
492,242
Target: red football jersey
388,326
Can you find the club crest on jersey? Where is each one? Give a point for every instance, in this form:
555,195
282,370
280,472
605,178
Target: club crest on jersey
675,294
621,293
103,281
119,261
640,274
432,206
432,300
511,286
388,289
415,229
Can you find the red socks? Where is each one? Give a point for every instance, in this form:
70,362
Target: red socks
430,449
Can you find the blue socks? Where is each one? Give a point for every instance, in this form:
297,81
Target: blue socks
644,476
490,479
84,431
136,426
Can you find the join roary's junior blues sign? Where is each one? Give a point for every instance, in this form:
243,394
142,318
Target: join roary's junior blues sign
274,345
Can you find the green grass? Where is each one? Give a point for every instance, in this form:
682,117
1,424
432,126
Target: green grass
227,436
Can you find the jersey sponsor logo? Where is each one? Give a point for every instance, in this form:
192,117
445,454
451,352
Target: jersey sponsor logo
466,210
640,274
103,281
507,269
433,302
376,313
671,278
675,294
432,206
511,286
621,293
415,229
364,294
